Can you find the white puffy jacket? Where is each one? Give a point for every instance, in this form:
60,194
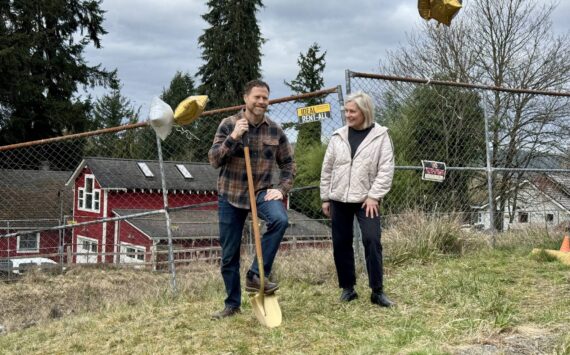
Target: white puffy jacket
368,174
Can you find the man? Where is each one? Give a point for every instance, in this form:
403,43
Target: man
268,144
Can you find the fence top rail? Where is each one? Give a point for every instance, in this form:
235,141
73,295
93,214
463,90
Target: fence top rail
145,123
459,84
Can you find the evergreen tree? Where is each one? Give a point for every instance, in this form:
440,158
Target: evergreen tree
41,66
309,79
177,146
435,123
41,52
112,110
181,86
309,151
309,164
231,50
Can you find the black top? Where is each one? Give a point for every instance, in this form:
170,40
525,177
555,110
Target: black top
355,137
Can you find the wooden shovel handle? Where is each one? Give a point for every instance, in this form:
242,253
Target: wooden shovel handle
256,232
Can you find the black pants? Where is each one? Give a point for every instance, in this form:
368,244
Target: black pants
342,216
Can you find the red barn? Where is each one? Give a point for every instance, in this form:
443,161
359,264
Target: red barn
106,187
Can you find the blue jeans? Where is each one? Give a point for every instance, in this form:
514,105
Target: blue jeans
231,221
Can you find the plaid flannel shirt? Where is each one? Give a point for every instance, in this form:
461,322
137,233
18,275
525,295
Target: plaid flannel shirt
268,145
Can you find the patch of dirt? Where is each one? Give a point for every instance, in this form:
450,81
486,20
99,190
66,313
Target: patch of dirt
519,341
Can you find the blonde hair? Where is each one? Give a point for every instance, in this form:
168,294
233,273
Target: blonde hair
365,104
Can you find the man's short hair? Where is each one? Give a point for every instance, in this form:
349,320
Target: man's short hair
254,83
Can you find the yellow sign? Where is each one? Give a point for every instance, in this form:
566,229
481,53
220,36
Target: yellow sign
314,113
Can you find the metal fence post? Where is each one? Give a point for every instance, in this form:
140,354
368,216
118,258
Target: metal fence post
341,103
171,267
347,80
489,169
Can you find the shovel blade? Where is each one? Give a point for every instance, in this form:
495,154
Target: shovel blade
267,310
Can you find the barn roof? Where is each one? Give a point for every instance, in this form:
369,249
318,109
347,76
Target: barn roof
112,173
33,198
201,224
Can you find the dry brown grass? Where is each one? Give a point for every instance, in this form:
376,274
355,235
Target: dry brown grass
39,297
483,300
528,238
415,235
455,294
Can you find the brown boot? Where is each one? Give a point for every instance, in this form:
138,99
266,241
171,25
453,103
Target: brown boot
226,312
252,284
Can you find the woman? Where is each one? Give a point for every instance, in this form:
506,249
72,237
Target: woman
357,173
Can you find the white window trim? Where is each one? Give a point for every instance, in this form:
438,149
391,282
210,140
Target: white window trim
80,240
81,198
129,259
81,202
27,251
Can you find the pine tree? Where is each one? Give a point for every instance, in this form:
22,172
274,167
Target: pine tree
177,145
181,86
41,51
445,115
42,65
309,150
112,110
231,50
309,79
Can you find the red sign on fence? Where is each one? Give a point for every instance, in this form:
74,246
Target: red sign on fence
433,170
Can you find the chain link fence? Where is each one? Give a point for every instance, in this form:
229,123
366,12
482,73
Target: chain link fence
505,151
121,197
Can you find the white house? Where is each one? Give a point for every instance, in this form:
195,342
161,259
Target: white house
543,201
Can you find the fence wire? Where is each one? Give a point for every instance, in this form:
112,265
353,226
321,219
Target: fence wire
97,197
505,150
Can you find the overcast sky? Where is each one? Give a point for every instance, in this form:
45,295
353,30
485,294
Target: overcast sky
148,41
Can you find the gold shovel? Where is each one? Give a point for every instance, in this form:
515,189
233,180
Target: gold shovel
265,307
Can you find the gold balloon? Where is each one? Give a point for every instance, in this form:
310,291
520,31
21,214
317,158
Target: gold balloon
440,10
190,109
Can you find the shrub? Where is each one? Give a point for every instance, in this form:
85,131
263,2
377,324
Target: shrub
416,235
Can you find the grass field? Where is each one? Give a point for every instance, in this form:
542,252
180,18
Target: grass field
456,296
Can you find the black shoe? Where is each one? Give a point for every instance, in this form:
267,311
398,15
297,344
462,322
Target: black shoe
380,299
348,294
252,284
226,312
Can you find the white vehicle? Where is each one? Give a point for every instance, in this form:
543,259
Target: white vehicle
17,266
